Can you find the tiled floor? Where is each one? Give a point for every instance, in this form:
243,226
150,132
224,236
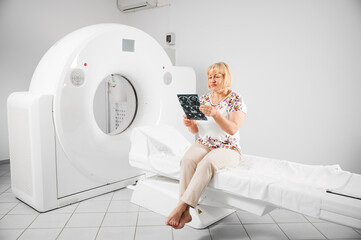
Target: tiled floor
112,216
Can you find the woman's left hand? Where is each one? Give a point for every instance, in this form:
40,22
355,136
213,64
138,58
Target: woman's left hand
208,110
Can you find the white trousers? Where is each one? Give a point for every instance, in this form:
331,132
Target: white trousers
198,167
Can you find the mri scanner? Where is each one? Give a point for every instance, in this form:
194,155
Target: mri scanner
101,114
69,134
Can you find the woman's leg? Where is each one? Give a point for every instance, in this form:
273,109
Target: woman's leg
188,166
189,163
215,160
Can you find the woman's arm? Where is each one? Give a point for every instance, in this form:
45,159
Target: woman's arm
191,124
230,125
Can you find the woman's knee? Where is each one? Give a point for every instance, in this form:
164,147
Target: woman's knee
206,165
188,161
224,158
193,156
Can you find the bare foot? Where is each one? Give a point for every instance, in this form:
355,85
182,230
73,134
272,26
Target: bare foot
174,218
186,218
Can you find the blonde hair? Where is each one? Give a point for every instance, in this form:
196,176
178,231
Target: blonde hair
222,68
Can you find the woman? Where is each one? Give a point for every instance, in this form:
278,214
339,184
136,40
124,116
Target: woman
217,146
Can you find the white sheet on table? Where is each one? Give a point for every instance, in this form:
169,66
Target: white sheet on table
158,149
290,185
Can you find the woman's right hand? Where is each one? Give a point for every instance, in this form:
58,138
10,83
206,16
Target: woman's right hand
187,122
191,124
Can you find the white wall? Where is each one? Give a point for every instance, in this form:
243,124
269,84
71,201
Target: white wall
295,62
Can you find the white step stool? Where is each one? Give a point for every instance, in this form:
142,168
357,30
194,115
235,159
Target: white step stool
161,195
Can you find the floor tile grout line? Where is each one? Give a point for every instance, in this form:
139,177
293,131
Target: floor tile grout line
136,225
10,210
238,217
209,231
279,227
315,227
28,225
21,234
105,213
57,237
243,225
329,222
358,231
24,229
7,188
4,174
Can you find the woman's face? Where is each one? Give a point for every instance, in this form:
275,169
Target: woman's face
215,80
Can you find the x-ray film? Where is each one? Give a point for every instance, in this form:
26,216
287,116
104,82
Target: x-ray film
190,104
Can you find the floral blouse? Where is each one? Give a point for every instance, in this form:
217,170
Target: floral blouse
210,133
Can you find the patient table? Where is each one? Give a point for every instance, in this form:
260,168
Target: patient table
258,185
